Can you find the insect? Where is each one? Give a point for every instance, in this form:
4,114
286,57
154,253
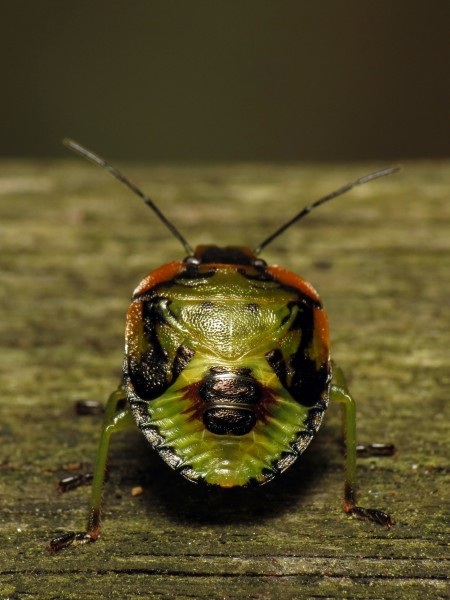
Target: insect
227,368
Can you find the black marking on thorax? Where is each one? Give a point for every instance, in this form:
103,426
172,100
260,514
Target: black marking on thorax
299,373
152,373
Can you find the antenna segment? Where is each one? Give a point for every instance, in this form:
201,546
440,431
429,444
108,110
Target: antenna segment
118,175
305,211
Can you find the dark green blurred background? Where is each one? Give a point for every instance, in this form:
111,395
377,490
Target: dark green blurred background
227,80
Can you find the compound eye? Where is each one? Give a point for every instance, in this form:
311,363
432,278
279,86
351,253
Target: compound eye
191,260
259,263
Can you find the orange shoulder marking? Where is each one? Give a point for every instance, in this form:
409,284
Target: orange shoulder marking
134,331
292,280
164,273
321,340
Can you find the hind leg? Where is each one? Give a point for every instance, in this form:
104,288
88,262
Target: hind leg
339,393
117,416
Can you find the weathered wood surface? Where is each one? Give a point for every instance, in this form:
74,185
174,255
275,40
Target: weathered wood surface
75,243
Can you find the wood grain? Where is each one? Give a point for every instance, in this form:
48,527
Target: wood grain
75,244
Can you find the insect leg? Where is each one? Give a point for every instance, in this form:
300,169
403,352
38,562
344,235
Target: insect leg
376,449
339,393
72,482
117,416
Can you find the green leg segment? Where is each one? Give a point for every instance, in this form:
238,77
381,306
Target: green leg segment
116,417
340,393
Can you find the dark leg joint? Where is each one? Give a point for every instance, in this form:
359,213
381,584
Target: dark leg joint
371,514
70,537
365,514
94,522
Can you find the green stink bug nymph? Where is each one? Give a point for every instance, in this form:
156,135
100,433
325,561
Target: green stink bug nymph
227,368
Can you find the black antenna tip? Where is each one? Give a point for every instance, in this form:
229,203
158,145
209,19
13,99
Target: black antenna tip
72,144
307,209
98,160
380,173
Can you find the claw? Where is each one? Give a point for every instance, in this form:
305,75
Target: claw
74,481
371,514
369,450
68,538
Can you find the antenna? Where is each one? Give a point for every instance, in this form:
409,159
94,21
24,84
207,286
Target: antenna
118,175
305,211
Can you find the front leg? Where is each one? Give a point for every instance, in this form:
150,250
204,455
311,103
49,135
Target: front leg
339,393
117,417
